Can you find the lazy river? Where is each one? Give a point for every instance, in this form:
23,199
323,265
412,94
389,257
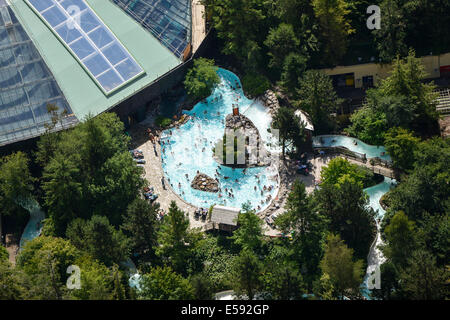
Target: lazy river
189,149
349,143
375,257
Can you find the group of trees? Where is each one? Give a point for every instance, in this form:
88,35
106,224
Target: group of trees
400,101
290,36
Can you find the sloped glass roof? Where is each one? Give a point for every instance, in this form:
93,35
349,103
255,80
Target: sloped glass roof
168,20
26,85
90,40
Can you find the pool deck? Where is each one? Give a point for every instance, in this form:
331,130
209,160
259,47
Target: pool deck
154,173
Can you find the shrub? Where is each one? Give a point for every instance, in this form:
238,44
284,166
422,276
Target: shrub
255,84
201,79
162,121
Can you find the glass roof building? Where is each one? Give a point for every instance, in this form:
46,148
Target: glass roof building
26,84
85,57
168,20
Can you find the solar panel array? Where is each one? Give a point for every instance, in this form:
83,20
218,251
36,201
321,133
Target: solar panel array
99,51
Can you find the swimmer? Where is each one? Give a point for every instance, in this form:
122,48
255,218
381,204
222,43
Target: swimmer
254,188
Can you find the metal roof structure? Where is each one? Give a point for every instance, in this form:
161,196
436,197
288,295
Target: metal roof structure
27,86
39,63
89,40
170,21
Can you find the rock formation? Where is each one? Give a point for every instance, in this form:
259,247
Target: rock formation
205,183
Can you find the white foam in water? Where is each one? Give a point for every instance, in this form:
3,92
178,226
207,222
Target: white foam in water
376,257
349,143
189,148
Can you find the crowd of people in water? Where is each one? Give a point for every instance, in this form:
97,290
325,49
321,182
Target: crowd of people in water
204,144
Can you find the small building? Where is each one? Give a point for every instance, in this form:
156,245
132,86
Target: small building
224,218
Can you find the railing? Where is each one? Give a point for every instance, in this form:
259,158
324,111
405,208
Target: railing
361,157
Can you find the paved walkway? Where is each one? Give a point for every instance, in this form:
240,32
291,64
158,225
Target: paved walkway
154,173
198,24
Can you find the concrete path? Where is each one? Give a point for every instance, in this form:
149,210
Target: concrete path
154,172
198,24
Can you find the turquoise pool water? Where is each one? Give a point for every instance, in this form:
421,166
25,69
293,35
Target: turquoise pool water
376,258
188,149
348,142
376,192
34,225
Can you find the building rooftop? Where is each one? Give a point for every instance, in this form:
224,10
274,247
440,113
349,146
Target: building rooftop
79,88
225,215
27,86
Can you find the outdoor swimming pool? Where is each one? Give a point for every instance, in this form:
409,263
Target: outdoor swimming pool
348,142
189,148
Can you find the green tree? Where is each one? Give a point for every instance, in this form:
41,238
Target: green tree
335,27
246,275
96,280
91,172
347,208
100,239
16,184
406,80
423,280
390,39
400,236
165,284
201,79
175,239
249,235
294,66
140,225
45,261
238,24
63,192
339,170
281,41
324,288
291,130
345,274
10,282
318,98
308,228
401,145
4,254
283,281
202,286
425,189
